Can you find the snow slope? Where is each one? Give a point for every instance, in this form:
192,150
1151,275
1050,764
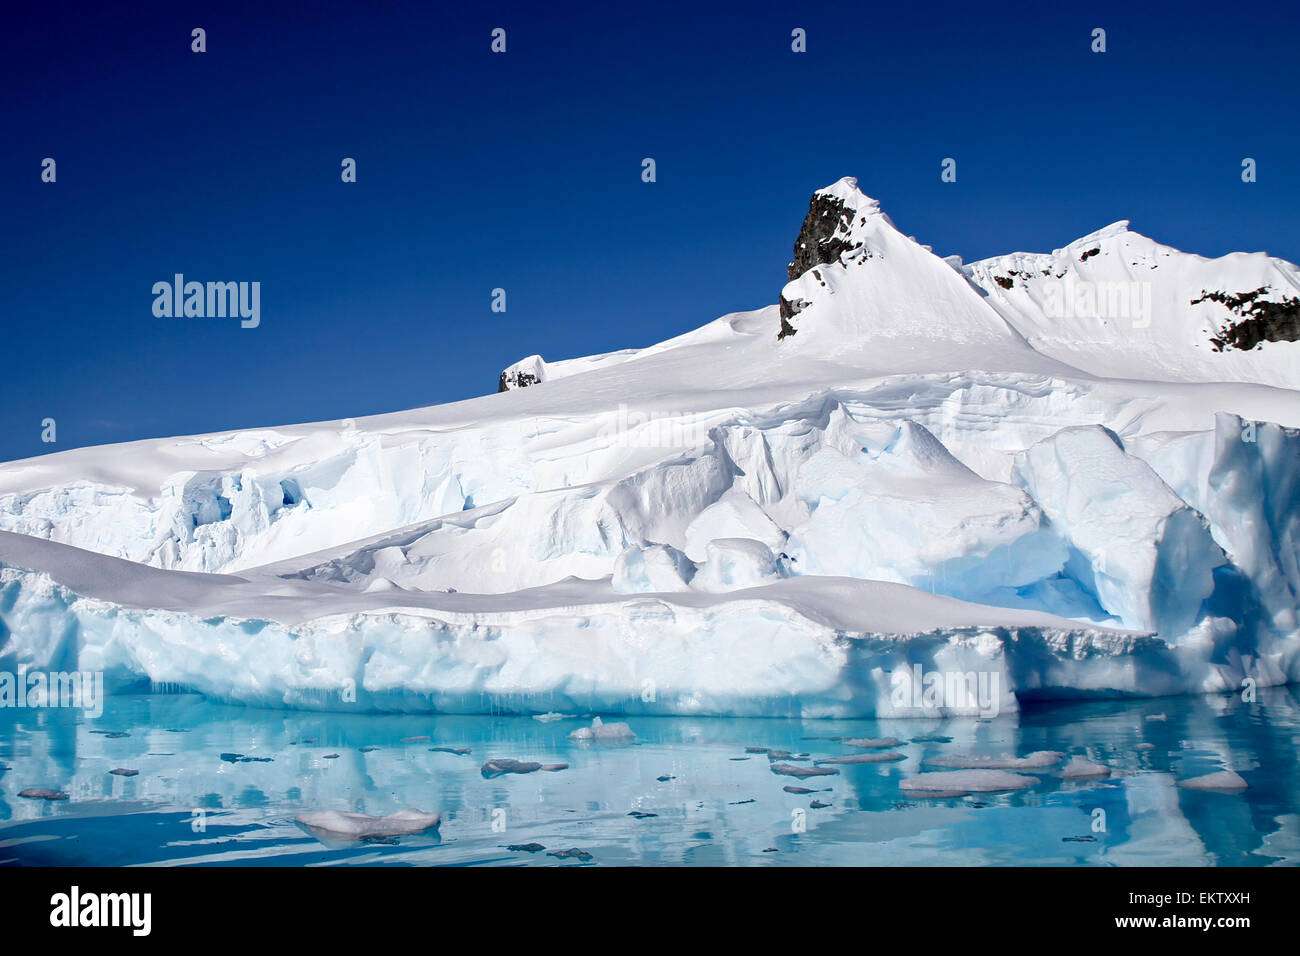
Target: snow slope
904,461
1116,303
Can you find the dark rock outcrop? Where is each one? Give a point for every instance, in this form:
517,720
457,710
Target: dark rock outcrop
516,378
1261,320
823,238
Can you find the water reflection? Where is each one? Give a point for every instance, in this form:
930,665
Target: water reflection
685,792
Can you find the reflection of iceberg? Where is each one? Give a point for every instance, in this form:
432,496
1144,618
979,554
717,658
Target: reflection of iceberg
361,826
187,806
1153,830
1284,842
1220,780
973,781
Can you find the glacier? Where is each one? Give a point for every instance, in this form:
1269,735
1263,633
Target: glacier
1046,467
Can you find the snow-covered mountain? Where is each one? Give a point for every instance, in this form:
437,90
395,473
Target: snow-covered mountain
1078,471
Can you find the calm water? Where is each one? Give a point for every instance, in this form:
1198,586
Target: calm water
721,806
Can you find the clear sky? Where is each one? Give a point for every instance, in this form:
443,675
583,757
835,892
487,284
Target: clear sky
523,171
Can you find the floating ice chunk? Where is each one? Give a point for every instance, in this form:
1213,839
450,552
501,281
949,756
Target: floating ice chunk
551,716
503,765
886,757
360,825
1036,760
975,781
1080,768
124,772
869,742
572,853
42,793
599,730
1223,780
790,770
1156,717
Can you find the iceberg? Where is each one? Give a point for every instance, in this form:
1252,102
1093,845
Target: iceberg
905,464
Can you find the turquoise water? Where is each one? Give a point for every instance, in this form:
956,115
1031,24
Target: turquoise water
719,805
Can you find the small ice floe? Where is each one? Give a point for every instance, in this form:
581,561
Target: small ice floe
883,757
642,814
801,790
525,848
458,751
818,805
599,730
790,770
361,826
1080,768
369,748
1145,746
1156,717
868,743
554,767
503,765
124,772
551,717
1034,761
329,757
737,759
974,781
1223,780
758,750
240,758
775,755
573,853
414,740
42,793
932,739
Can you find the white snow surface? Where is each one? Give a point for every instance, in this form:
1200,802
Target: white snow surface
934,469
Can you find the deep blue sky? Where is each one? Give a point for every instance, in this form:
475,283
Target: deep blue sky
523,171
